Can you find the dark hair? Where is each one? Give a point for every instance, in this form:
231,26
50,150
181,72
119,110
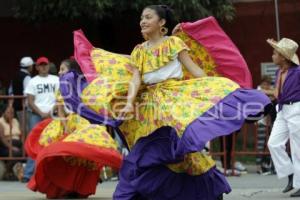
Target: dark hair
165,12
4,105
267,79
72,65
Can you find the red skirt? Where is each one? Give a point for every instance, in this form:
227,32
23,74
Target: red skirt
56,176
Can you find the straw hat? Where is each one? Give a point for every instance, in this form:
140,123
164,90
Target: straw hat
287,48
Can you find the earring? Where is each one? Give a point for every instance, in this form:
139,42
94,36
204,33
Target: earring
163,30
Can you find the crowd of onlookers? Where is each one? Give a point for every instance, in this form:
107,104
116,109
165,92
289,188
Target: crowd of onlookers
34,81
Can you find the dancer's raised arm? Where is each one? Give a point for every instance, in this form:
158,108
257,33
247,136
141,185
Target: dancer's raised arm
193,68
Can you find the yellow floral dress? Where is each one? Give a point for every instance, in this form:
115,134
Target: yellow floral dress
77,152
169,126
78,129
174,103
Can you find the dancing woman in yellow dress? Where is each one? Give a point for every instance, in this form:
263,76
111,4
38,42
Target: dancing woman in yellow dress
70,152
169,106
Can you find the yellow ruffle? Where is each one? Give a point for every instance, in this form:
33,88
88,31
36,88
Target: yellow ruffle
105,96
153,58
94,135
199,55
194,164
111,66
79,130
53,132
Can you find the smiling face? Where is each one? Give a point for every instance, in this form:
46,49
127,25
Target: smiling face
150,22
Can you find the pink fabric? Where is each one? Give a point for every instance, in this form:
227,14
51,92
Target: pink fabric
230,63
82,50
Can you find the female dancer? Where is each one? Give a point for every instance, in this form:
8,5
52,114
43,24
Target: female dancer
168,113
70,152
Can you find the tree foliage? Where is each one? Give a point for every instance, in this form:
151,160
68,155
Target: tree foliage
43,10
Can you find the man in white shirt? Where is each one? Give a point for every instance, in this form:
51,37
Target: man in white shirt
41,99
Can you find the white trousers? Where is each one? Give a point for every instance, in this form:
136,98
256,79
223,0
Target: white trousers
286,126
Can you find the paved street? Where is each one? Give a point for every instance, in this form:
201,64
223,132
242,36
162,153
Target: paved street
250,186
18,191
258,187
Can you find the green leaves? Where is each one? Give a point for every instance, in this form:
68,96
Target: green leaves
42,10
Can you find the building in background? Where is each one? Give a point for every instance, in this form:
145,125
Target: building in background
254,22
